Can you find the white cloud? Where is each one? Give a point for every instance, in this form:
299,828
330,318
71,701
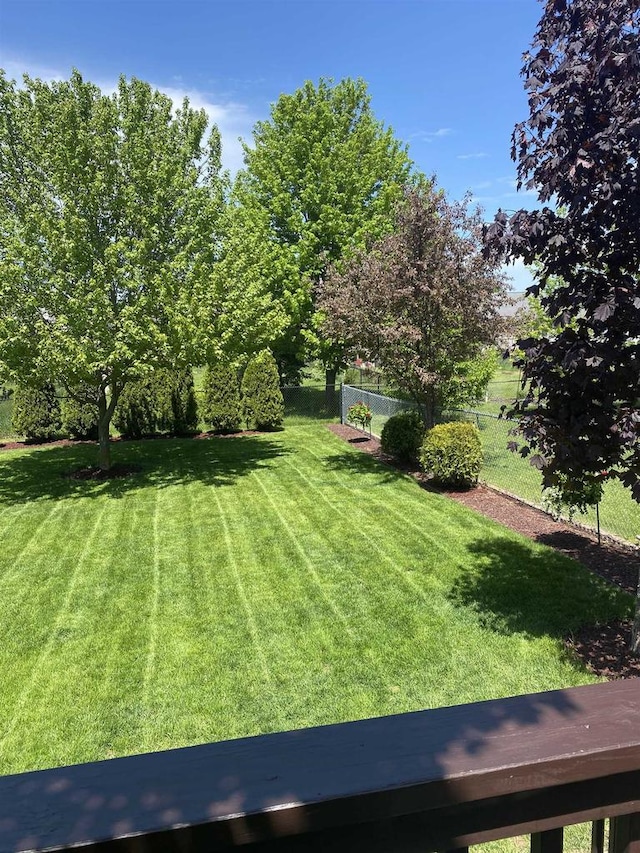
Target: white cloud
232,118
478,156
15,69
430,135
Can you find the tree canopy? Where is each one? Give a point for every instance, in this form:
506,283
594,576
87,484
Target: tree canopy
321,180
422,302
580,150
109,207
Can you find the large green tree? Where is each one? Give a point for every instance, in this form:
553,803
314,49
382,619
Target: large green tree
321,180
108,212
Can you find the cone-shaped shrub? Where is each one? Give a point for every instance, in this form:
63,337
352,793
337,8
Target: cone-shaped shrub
135,414
222,408
79,420
453,454
261,395
36,412
176,405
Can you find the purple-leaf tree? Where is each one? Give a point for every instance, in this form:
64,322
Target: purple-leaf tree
422,302
580,150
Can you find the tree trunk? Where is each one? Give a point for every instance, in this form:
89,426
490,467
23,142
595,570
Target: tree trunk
330,387
430,409
104,422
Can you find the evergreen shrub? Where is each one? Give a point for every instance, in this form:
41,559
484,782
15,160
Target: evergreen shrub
402,435
79,420
262,400
452,453
135,412
222,408
175,400
36,412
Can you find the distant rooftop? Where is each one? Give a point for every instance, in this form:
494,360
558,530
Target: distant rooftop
515,300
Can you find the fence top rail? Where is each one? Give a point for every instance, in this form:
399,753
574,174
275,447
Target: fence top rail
362,390
282,784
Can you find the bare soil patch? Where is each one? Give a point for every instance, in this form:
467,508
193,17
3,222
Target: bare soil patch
603,649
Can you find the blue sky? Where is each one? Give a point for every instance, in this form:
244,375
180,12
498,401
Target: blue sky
443,73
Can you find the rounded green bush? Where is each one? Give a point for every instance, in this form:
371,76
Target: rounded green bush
452,453
402,435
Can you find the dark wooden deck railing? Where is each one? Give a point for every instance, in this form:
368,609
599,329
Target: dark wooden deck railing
431,780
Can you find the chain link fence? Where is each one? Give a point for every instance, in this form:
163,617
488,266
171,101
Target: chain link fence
306,403
382,407
507,471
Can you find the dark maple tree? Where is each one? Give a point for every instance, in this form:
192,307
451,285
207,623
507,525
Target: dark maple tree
579,149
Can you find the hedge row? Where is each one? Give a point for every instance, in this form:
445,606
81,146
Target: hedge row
165,402
257,400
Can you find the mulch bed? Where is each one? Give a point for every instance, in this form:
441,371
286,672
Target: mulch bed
22,445
603,649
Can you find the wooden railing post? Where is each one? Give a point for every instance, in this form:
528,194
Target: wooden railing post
547,842
597,836
624,834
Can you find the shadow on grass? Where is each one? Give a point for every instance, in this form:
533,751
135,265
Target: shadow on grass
41,474
517,588
361,463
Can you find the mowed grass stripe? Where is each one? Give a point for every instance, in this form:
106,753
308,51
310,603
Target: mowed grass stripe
30,600
23,536
72,712
316,644
242,595
422,633
305,560
153,617
410,550
371,582
37,670
436,515
206,659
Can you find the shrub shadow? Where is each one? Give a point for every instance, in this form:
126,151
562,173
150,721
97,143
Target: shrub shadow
517,588
44,474
362,463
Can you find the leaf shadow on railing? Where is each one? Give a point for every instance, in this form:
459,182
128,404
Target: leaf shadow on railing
332,781
44,473
520,587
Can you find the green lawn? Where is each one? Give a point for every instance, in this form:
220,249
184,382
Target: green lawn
252,584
